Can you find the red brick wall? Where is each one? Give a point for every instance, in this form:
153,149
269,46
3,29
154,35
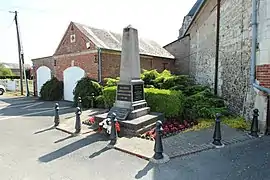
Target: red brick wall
111,64
263,75
46,61
66,47
85,61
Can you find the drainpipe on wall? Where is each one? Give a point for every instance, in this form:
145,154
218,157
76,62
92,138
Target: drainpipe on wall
99,66
217,48
253,50
253,55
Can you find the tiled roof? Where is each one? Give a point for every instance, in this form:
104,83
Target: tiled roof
195,7
109,40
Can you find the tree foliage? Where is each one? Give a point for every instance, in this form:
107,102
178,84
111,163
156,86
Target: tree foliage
5,71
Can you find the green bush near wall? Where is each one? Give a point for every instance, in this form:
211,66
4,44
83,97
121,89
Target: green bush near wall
52,90
169,102
86,88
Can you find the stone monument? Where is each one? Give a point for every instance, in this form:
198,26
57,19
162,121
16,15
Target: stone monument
130,100
130,106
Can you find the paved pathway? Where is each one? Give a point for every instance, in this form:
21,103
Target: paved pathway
29,152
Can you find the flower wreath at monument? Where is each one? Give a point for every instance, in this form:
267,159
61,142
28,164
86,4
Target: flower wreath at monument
105,125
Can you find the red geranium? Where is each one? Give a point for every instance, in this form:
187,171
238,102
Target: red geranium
92,120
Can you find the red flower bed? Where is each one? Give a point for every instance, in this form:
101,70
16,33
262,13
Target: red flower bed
170,127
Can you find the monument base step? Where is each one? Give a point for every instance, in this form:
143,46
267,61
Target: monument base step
136,126
138,113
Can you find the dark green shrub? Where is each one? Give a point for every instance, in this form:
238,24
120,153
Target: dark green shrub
165,101
86,88
52,90
191,90
100,101
204,105
109,94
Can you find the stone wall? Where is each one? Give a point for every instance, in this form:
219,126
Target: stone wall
186,22
180,50
234,54
202,45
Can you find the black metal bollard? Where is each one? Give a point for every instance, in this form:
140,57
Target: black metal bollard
158,149
113,135
255,126
78,120
56,115
217,132
79,104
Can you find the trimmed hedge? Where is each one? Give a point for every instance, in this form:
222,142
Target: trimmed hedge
109,94
86,88
52,90
168,102
157,100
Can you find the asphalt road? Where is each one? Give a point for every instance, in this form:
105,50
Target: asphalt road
30,149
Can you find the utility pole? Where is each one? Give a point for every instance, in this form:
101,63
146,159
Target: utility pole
21,57
26,81
19,51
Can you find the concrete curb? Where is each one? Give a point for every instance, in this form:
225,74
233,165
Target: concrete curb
203,147
72,133
132,153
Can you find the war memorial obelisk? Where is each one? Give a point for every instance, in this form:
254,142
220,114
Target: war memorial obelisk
130,99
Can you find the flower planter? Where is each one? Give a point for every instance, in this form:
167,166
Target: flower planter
170,127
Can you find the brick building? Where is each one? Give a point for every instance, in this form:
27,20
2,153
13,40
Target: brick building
243,47
96,53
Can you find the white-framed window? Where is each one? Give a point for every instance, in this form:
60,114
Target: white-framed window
72,38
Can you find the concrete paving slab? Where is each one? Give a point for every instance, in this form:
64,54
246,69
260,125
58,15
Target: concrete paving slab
136,146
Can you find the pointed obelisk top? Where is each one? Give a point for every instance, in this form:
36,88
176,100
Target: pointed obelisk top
130,58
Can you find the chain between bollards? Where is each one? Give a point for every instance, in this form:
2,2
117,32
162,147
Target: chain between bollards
254,126
56,115
78,120
113,135
158,149
217,132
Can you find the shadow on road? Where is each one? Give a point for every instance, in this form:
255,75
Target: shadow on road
32,106
44,130
71,148
145,170
66,138
95,154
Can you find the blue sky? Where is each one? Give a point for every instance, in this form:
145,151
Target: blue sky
43,23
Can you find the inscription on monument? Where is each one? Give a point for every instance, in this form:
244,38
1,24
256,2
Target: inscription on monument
121,113
124,93
123,87
138,92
